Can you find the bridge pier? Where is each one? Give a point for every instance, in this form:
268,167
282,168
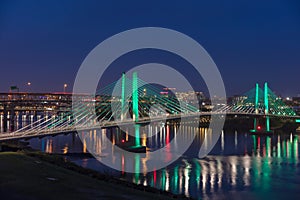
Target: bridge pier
19,119
28,116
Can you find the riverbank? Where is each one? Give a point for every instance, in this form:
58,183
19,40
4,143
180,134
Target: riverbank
34,175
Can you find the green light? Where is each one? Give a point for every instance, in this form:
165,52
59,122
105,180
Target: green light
176,177
295,148
268,123
123,96
284,149
255,124
135,97
198,172
256,98
267,108
135,107
137,135
278,148
266,99
163,179
289,149
297,120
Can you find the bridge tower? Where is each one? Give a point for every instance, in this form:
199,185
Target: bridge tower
135,104
123,96
135,108
257,127
135,98
266,98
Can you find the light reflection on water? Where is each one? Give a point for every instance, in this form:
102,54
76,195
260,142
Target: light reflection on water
239,166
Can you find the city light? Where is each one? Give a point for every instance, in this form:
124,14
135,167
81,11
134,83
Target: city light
65,86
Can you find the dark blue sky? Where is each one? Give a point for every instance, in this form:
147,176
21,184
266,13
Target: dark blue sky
251,41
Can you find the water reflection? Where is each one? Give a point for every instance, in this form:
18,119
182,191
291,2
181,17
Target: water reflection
259,166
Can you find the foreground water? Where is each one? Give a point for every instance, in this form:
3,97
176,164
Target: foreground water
239,166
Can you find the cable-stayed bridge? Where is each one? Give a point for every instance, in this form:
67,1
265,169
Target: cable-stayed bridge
133,101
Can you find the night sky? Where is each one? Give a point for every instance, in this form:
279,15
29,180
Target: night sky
45,42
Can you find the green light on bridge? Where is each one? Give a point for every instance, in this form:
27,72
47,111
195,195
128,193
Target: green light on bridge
256,98
267,108
135,97
135,107
123,100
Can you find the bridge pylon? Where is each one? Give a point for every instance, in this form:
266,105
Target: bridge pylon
266,98
135,108
123,97
135,97
257,126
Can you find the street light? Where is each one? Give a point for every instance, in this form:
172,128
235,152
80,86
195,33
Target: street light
65,86
28,85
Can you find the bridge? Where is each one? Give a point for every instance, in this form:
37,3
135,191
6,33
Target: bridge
133,101
29,106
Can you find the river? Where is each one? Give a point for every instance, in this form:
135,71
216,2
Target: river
240,166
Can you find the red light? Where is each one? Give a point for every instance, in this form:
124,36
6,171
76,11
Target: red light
123,141
258,127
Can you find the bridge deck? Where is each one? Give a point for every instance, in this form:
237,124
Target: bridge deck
31,133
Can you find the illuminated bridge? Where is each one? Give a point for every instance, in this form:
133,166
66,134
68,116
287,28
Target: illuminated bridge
133,101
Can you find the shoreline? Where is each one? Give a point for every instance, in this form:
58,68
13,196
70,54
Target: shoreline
61,162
